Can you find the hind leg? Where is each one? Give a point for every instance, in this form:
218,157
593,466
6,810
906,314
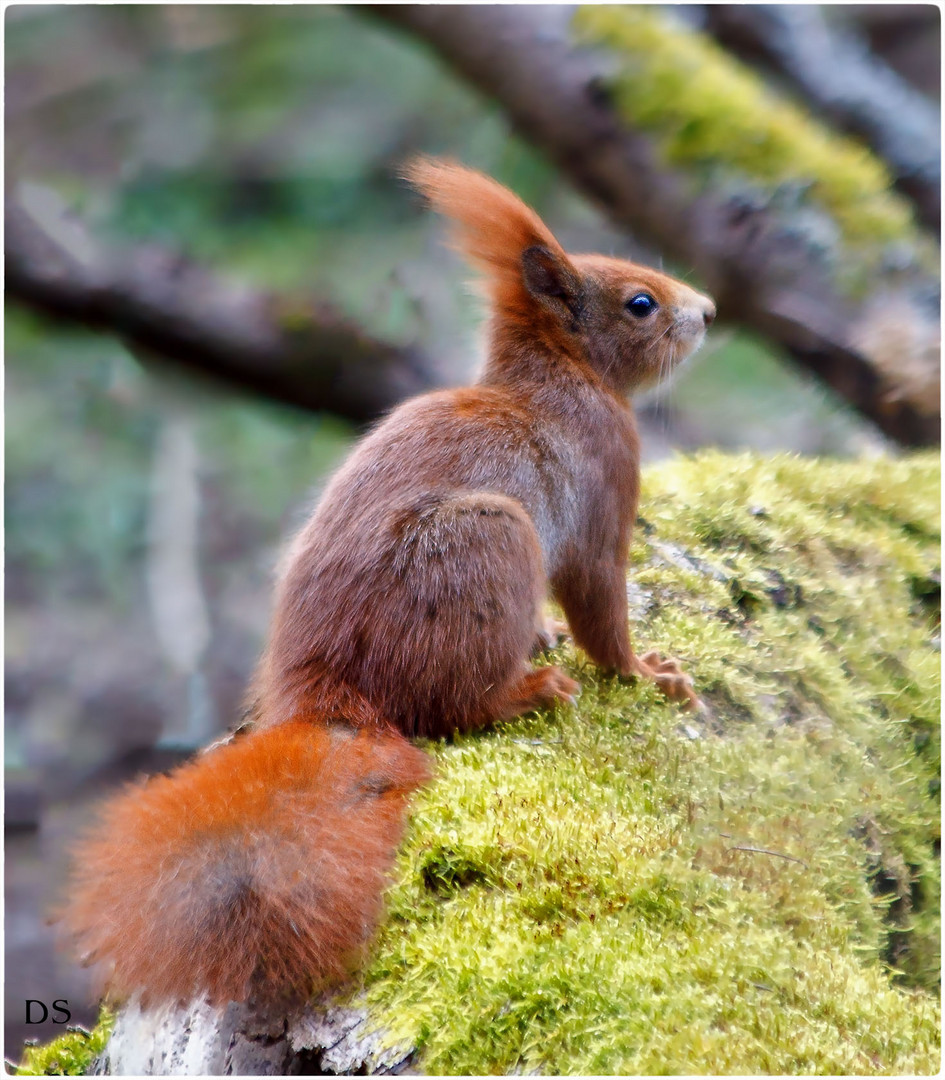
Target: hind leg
449,648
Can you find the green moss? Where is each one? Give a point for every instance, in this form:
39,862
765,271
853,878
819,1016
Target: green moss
71,1054
624,888
707,109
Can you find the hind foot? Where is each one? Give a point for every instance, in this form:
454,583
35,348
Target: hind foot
669,676
539,689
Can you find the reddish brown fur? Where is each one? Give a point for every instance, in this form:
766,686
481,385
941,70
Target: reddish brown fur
410,602
257,868
418,582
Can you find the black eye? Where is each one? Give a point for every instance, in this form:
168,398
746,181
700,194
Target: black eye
642,305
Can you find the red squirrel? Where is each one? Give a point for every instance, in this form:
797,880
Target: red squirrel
409,605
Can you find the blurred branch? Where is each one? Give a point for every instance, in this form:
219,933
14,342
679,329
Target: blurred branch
907,37
165,308
835,73
754,257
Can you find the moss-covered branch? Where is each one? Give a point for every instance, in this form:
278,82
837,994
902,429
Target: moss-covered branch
72,1054
833,70
707,111
792,229
622,888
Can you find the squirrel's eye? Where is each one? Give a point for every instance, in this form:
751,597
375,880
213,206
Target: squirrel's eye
641,305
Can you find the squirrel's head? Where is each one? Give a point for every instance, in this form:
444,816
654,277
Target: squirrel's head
630,323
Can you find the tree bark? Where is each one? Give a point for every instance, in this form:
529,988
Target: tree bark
907,37
754,257
198,1040
168,309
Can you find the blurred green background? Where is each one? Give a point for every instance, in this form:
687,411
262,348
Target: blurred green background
264,142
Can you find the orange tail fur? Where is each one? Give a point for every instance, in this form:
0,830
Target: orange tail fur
256,869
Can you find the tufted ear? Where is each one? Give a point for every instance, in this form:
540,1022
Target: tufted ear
547,274
522,262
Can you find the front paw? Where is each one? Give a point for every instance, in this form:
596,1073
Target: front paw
667,673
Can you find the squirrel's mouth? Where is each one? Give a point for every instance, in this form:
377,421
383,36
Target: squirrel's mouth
681,341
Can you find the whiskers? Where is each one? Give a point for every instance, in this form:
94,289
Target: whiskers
666,363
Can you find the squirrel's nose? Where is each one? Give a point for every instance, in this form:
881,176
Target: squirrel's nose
708,315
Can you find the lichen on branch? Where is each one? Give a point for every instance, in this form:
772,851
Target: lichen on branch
707,108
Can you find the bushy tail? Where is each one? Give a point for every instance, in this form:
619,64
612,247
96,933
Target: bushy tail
255,870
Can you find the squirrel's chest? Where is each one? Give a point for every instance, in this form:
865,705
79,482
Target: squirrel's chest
586,497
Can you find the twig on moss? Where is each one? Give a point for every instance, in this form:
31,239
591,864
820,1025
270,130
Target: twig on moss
762,851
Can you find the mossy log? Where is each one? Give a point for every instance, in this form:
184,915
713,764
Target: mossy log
624,888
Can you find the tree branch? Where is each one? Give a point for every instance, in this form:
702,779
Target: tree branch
754,256
166,308
907,36
837,75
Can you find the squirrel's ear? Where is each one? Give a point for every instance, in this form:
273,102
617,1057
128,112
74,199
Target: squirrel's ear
547,275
